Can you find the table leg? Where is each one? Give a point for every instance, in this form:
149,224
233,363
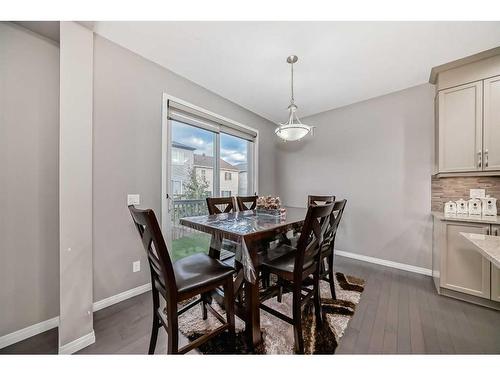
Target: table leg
252,305
215,247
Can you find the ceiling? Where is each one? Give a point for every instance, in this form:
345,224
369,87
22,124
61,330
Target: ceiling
339,62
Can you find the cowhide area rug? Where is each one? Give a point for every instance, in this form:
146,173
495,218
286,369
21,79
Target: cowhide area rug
278,335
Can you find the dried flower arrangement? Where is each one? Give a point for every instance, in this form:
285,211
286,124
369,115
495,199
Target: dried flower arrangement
270,205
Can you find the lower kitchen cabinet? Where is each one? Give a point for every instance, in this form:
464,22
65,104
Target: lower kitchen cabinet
464,269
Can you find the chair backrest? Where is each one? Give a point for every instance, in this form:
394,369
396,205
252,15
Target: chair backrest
220,205
311,237
319,199
160,264
331,232
242,203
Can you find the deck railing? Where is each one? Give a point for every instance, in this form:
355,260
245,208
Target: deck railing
186,208
189,207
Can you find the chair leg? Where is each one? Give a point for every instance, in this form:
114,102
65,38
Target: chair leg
279,297
154,335
297,320
204,306
156,322
173,329
317,299
229,305
266,279
331,276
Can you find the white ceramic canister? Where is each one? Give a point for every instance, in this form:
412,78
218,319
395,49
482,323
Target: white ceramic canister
475,207
462,207
489,206
450,208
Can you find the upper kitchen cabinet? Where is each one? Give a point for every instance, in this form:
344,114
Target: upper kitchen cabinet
491,126
468,115
460,128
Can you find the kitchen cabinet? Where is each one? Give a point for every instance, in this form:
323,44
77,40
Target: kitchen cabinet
495,272
463,269
467,112
460,128
491,125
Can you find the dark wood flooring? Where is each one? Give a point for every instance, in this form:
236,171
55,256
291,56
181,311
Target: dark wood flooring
399,312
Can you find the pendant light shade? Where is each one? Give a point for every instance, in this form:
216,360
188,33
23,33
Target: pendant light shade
293,129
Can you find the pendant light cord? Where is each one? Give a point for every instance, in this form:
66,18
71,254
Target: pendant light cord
292,100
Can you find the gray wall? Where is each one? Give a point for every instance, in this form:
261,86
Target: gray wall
127,154
75,185
29,203
378,155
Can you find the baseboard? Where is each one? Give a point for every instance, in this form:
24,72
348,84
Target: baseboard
28,332
106,302
41,327
387,263
78,344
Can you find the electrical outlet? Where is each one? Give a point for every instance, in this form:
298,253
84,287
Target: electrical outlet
136,266
134,199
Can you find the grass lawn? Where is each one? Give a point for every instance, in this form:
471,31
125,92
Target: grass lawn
184,246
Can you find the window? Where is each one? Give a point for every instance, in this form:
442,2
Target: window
210,154
237,155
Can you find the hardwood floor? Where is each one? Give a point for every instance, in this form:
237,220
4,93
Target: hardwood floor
399,312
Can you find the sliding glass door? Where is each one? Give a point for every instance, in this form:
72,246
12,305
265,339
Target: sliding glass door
202,159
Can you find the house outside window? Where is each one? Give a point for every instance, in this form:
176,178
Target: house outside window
227,176
225,193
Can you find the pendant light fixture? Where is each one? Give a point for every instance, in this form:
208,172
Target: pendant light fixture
293,129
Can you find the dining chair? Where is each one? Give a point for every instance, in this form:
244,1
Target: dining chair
242,202
180,281
219,206
315,200
327,249
293,266
319,199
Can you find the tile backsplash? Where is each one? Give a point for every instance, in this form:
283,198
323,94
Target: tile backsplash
453,188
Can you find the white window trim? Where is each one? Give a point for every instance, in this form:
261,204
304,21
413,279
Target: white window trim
166,152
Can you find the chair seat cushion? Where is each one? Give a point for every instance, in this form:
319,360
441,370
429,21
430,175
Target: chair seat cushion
198,270
281,260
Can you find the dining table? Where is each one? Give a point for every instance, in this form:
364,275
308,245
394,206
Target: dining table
251,231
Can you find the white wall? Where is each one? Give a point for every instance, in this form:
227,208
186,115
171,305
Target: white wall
378,155
29,205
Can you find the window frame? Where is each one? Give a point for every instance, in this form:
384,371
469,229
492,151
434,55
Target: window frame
166,135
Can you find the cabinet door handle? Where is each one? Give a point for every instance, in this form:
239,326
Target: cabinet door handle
486,158
479,159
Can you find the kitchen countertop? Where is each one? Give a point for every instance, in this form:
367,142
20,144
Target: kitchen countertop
465,218
488,246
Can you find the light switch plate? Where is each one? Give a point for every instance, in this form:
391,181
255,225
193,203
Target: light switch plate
133,199
136,266
477,193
